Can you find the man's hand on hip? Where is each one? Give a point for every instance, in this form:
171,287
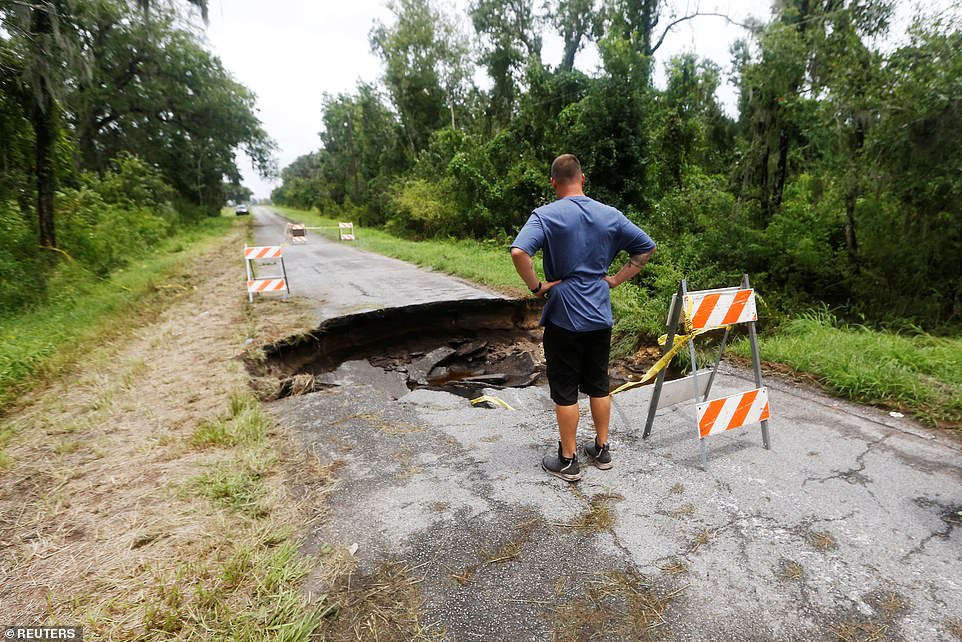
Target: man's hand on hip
545,286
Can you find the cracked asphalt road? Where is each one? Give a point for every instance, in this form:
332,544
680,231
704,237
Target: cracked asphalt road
849,528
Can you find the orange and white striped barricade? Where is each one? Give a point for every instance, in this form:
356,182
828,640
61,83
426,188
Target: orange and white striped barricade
345,231
256,257
703,311
296,233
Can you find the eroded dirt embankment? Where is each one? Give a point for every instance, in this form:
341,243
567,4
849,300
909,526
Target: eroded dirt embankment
456,346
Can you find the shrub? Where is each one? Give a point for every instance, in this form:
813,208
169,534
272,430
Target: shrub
20,265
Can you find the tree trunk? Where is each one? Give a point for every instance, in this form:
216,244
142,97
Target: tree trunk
45,133
851,242
571,49
781,168
43,119
852,194
765,193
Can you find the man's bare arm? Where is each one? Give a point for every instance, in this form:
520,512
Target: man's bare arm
525,268
629,270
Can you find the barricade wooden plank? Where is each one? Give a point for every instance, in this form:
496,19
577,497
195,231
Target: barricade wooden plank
261,286
733,411
715,309
263,252
297,234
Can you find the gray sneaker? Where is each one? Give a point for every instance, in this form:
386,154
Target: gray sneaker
598,455
566,469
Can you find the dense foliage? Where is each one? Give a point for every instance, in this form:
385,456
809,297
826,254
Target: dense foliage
836,182
117,126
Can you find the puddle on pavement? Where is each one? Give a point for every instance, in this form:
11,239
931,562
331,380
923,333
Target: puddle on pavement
461,347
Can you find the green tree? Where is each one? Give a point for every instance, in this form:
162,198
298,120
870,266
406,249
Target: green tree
577,22
425,67
798,52
690,130
510,40
363,148
155,92
43,57
910,210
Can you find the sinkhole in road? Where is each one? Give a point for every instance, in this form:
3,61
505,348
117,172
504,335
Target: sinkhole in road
457,346
460,347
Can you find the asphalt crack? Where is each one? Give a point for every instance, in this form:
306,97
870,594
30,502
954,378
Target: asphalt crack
855,475
950,515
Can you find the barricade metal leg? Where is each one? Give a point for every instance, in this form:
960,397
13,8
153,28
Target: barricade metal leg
287,284
694,380
757,365
250,275
673,318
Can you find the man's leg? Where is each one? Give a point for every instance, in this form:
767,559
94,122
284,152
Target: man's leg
568,427
601,416
562,363
594,383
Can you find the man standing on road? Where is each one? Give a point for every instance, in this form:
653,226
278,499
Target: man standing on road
580,238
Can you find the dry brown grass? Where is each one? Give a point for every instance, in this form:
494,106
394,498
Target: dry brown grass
861,632
954,627
685,510
700,539
790,570
388,427
822,541
620,604
510,551
675,567
466,574
100,519
889,604
598,516
384,605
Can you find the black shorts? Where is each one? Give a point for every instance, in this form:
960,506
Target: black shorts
576,361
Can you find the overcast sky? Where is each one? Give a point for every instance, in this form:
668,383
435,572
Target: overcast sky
290,52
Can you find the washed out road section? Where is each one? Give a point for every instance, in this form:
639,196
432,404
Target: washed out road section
850,527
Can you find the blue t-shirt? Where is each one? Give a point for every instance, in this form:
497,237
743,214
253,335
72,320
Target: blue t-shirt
580,238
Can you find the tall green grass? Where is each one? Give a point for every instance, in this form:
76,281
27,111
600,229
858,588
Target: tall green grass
918,373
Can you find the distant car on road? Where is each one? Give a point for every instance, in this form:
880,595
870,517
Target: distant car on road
241,209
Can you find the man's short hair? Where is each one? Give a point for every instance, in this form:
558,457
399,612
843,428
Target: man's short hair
566,169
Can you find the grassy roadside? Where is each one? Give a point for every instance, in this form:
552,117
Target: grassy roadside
46,340
921,375
918,374
144,495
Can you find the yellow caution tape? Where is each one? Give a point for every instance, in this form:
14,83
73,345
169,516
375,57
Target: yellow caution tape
680,341
490,399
